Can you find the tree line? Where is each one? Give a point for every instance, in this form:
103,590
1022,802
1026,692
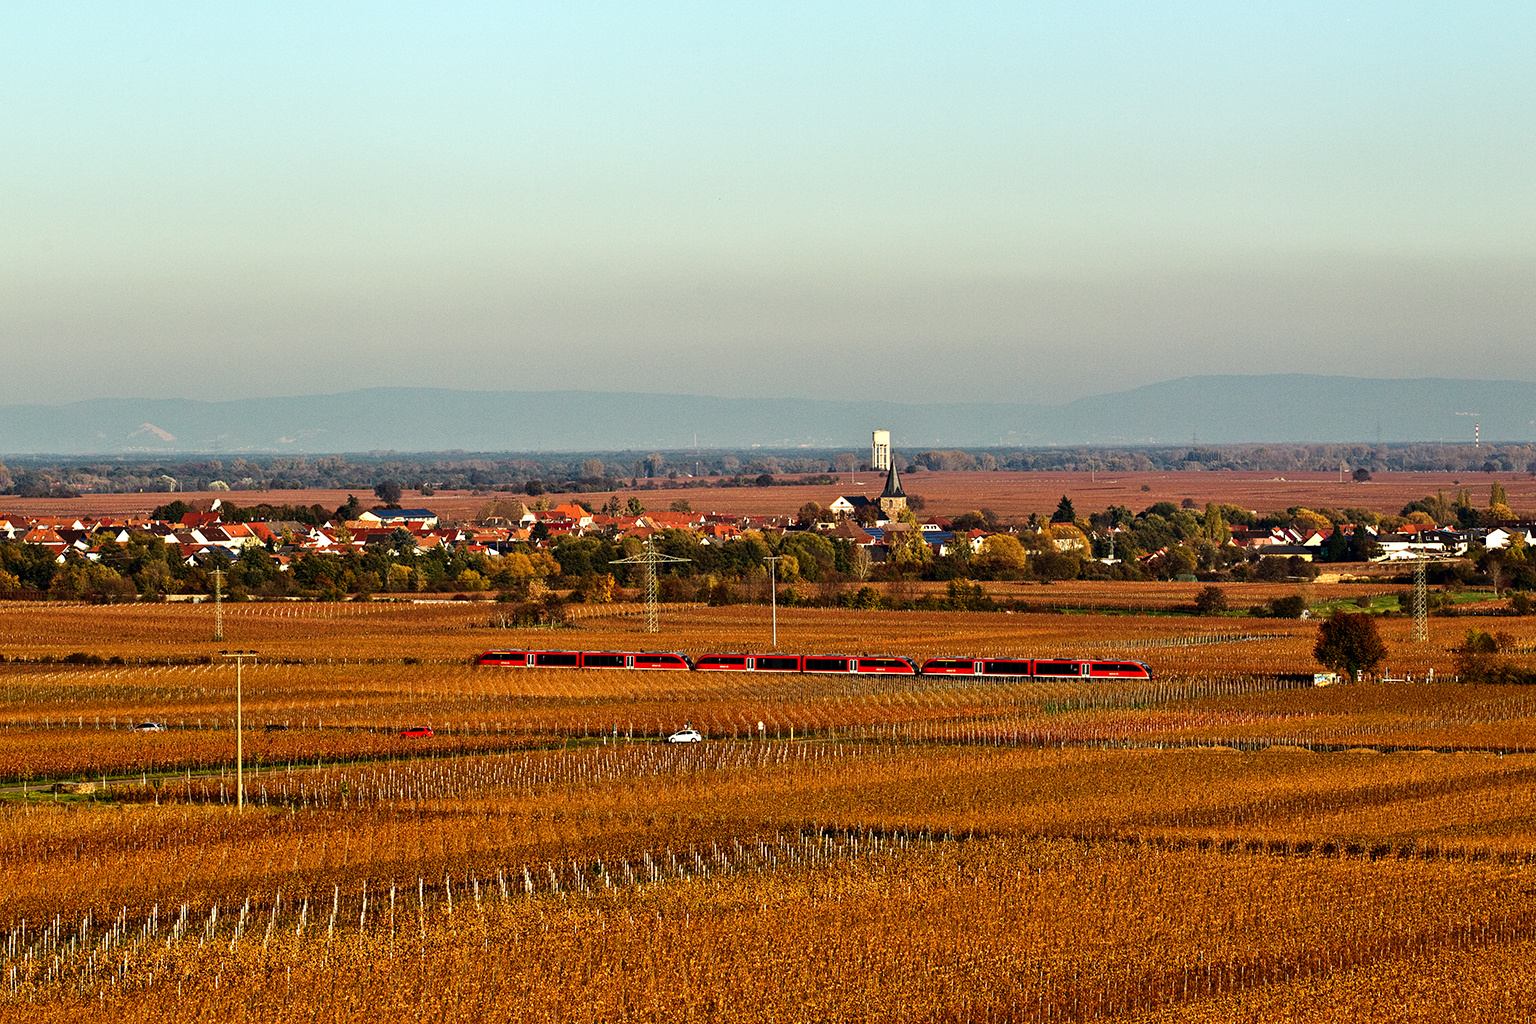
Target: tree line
602,471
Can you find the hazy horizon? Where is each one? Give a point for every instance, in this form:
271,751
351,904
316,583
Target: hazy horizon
903,202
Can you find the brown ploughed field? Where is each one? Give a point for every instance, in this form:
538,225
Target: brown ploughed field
1010,494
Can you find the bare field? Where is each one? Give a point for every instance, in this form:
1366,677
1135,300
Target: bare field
1010,494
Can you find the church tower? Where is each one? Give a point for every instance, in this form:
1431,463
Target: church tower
893,499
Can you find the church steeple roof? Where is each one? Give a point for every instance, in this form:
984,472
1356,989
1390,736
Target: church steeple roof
892,484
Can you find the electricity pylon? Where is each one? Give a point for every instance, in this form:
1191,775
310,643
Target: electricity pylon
1420,601
650,558
218,603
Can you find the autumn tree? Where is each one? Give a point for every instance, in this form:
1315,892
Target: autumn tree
909,549
1349,643
1498,510
1213,526
1001,556
1210,601
1308,520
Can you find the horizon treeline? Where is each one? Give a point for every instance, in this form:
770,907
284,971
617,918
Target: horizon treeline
536,473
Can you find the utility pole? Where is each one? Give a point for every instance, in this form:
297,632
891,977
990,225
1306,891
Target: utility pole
239,658
218,603
649,557
773,594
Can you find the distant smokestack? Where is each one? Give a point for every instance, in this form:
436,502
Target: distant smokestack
1477,435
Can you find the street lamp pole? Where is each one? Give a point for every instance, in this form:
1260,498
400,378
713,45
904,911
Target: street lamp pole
773,594
239,658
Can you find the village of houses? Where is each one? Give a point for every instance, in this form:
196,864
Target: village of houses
877,527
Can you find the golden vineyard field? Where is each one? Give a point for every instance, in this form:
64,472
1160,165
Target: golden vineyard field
1220,843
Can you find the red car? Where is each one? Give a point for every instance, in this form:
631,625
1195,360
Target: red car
417,731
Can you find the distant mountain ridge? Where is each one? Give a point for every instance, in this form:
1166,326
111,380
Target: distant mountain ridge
1282,408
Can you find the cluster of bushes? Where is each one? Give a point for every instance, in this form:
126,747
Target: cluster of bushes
549,612
1478,660
96,660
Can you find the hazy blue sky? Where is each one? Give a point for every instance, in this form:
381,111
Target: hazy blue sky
986,201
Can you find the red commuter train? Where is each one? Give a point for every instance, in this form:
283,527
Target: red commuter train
824,664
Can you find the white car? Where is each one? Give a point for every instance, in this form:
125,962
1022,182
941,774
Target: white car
686,736
150,727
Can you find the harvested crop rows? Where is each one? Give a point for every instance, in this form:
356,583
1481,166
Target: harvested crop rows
1214,844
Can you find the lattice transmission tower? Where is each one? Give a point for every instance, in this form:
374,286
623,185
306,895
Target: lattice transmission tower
650,558
218,603
1421,602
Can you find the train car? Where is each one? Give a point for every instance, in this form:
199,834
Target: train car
1036,668
749,663
639,660
816,664
953,666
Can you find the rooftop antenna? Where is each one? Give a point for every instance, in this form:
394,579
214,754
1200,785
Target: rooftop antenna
649,557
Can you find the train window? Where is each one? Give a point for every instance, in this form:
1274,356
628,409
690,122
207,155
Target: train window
557,659
722,661
1119,667
603,660
1005,668
1057,668
503,658
949,665
826,664
777,663
659,661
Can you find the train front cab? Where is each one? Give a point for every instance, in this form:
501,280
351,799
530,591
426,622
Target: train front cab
506,659
951,667
885,666
1119,670
723,663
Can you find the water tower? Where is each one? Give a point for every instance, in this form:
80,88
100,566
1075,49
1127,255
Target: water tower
880,450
